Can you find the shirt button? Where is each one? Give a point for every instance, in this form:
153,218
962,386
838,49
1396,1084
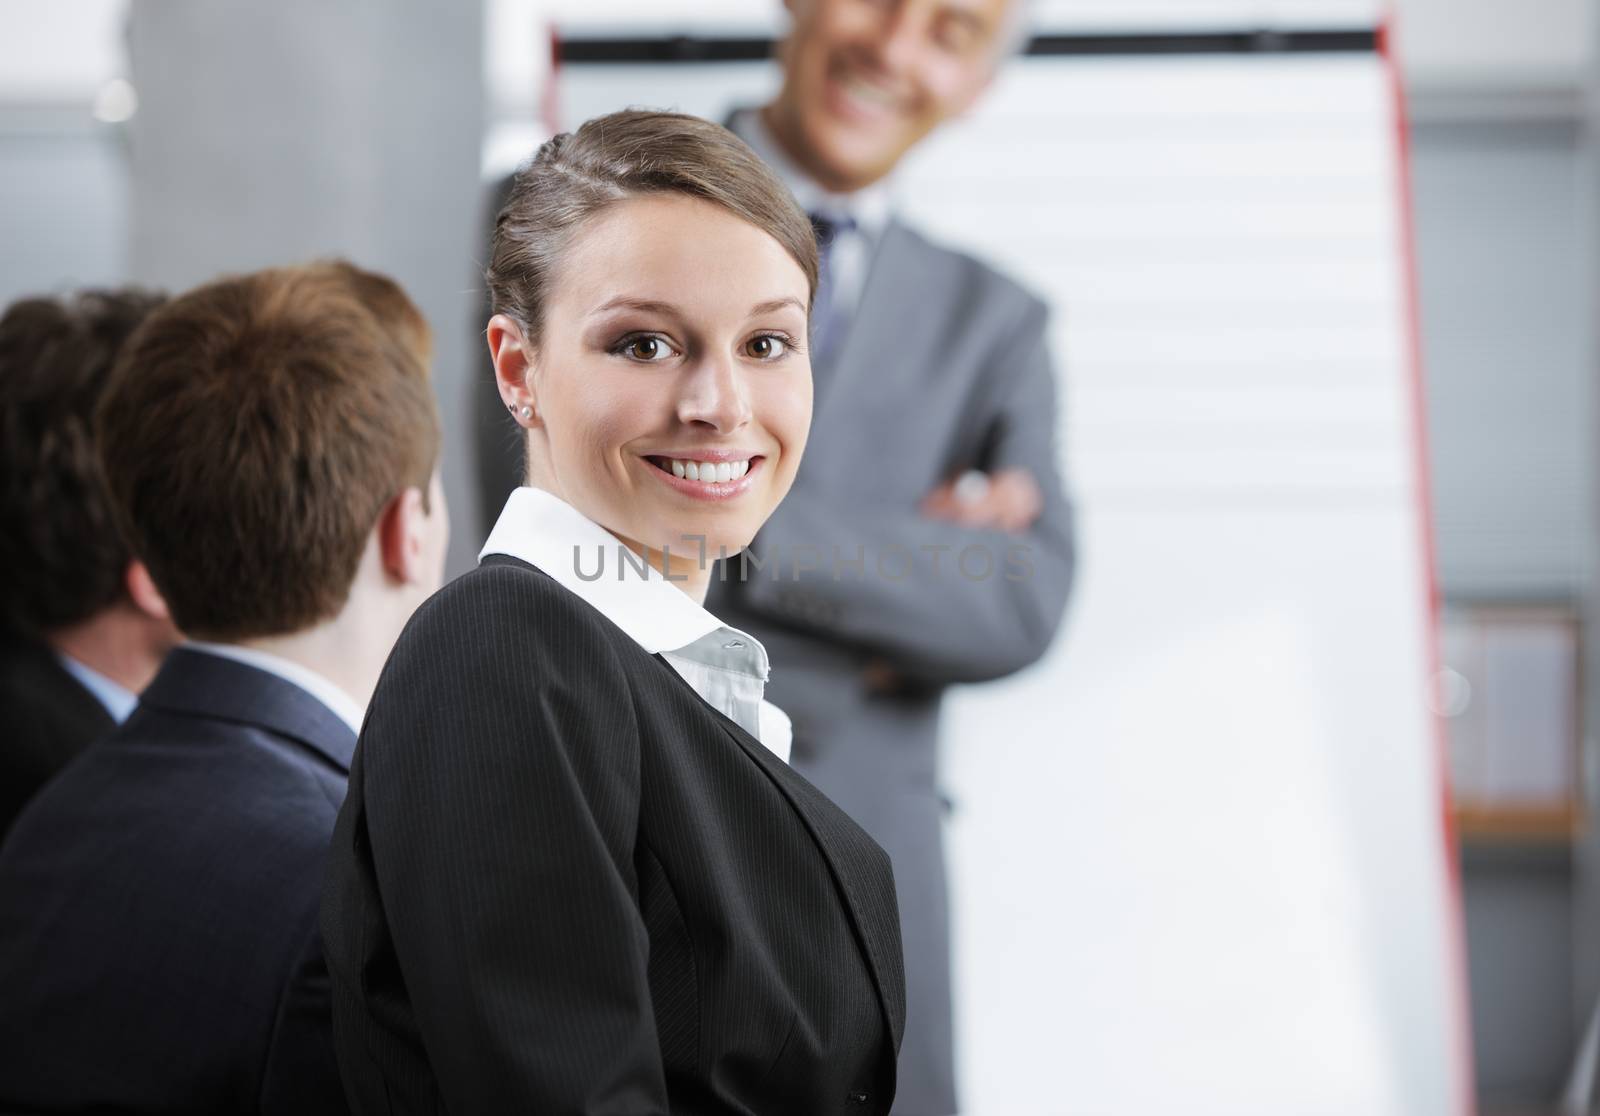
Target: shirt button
856,1099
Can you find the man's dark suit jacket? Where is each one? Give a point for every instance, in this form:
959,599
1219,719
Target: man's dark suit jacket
158,907
48,716
563,883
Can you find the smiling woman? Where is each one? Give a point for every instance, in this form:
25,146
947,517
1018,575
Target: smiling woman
674,333
574,872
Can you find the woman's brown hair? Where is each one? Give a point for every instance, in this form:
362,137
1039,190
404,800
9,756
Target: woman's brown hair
634,153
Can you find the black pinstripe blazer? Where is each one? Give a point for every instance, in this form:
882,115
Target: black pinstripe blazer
563,883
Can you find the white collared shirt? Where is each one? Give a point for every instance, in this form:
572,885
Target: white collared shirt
869,207
117,698
726,667
339,703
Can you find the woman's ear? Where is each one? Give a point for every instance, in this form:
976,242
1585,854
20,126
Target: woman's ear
514,363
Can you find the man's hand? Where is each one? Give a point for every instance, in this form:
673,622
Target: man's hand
1008,500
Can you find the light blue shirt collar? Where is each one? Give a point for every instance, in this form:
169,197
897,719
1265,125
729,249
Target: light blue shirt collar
118,700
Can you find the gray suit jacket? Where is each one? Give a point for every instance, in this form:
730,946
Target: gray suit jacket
945,368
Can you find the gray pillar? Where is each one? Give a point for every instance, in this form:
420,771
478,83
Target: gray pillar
1586,904
276,133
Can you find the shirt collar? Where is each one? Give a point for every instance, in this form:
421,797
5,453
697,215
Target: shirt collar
117,698
869,206
339,703
583,557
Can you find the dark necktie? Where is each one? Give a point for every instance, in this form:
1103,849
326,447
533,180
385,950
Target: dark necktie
828,316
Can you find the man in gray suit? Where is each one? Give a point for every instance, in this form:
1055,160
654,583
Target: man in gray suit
926,540
886,578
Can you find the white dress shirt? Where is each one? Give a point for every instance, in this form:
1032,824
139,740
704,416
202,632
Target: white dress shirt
118,699
870,208
339,703
725,666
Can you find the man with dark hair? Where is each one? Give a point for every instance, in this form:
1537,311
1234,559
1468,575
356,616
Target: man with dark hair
269,442
82,629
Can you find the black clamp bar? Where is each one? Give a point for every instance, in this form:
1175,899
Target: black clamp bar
669,49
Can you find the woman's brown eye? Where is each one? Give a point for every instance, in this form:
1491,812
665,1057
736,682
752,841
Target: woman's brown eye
766,348
645,348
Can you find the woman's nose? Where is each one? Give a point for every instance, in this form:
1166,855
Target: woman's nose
715,394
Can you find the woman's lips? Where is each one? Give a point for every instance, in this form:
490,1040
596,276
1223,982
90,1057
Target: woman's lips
711,491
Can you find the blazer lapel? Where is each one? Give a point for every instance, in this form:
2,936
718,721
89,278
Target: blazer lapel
876,923
203,685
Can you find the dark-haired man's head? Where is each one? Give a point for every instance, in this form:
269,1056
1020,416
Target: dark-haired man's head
865,80
271,441
67,578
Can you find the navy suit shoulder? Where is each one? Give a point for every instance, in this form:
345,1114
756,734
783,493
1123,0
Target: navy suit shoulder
159,945
49,717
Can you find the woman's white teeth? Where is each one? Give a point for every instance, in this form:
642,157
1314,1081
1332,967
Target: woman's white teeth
714,472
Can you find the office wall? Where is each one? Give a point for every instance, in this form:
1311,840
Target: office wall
1499,207
63,185
63,202
263,134
1504,200
273,134
1476,43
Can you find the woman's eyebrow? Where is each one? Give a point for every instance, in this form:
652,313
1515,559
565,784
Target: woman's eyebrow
652,306
649,306
777,304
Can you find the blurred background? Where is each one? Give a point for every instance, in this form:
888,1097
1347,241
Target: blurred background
1311,591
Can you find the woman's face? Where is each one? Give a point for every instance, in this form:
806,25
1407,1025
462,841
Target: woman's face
671,387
